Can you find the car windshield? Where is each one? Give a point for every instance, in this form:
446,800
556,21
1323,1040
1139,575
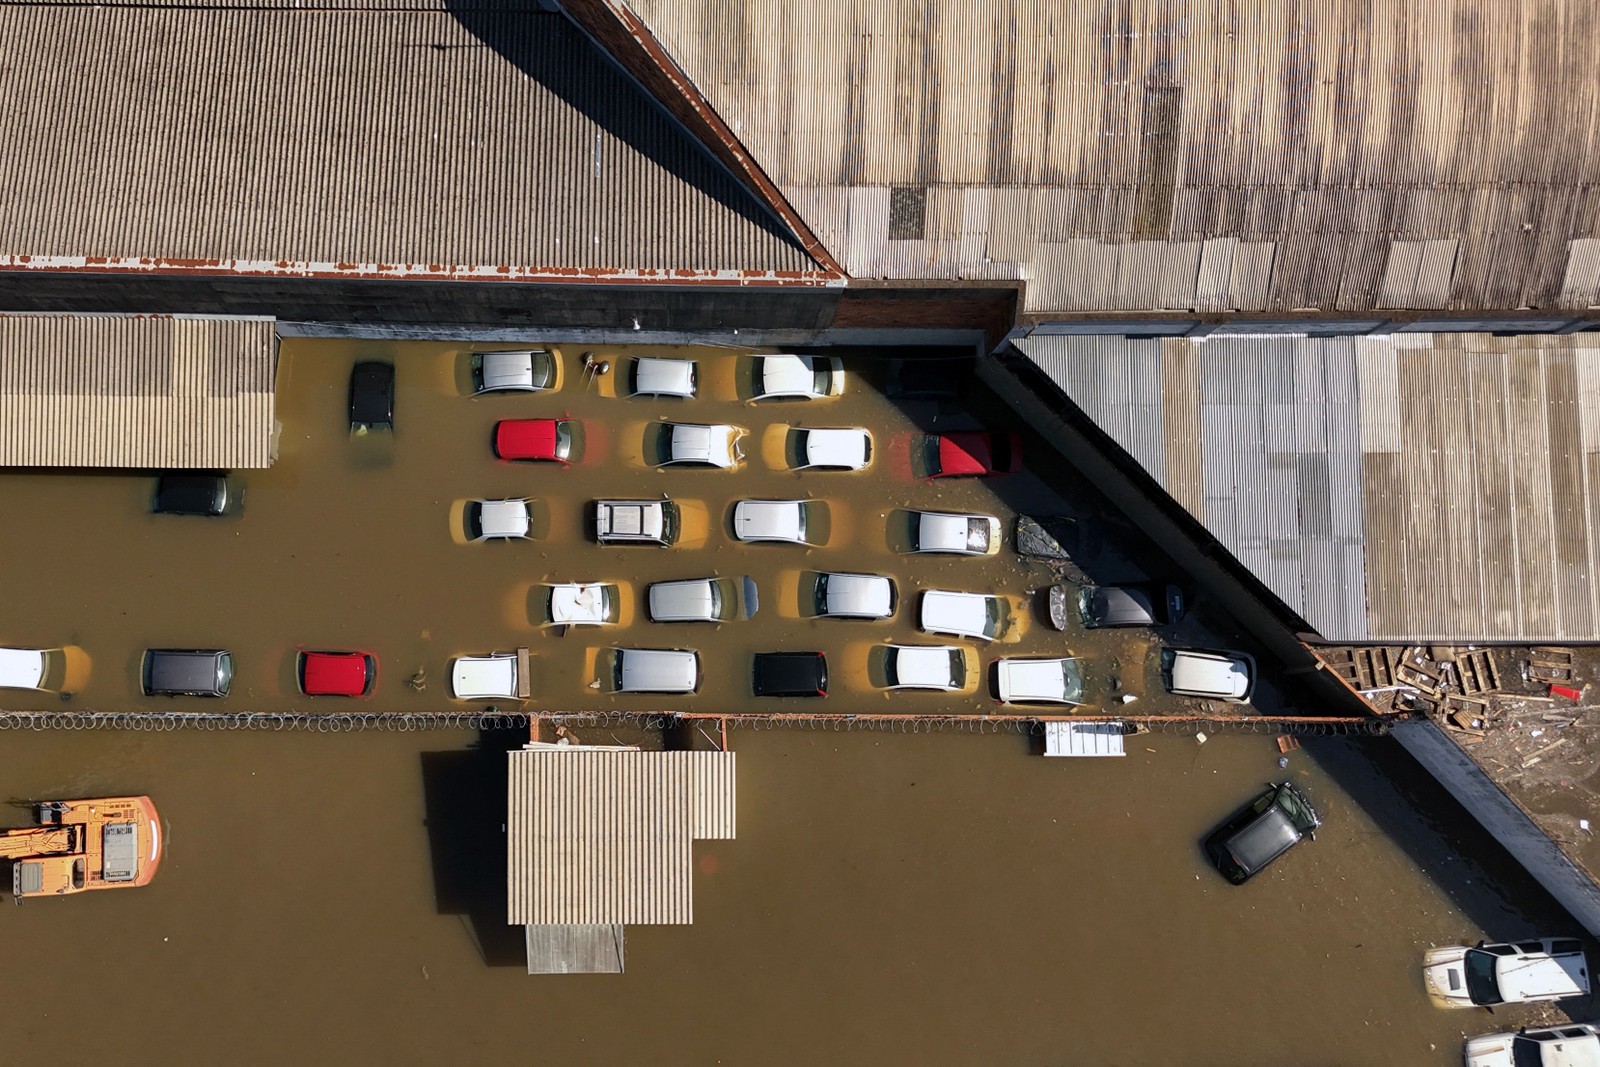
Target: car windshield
821,378
978,535
994,611
1526,1052
1299,812
669,522
1481,984
563,439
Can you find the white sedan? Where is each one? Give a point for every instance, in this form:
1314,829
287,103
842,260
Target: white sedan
939,532
855,596
977,615
582,604
490,520
23,668
694,443
832,449
798,377
1039,681
941,667
772,520
654,376
496,676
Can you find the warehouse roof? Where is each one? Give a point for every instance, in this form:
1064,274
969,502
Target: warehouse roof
1409,488
366,139
1174,155
122,391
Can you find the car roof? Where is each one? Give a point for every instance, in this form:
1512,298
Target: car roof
1197,671
503,518
786,374
1121,605
372,392
574,602
964,453
1265,838
525,438
692,442
669,670
838,447
664,377
184,668
691,599
493,675
923,664
334,673
632,518
1040,679
769,518
790,673
859,594
1540,976
21,668
949,612
951,532
503,370
191,493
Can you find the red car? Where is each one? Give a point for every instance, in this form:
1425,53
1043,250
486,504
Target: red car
539,439
976,452
337,674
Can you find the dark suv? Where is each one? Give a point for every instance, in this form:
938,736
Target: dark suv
192,672
1269,826
191,494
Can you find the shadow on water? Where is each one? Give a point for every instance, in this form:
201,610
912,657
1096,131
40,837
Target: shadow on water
553,52
465,797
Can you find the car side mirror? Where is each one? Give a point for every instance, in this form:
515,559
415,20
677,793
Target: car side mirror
1480,943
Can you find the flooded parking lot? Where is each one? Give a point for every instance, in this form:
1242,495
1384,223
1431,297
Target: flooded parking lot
359,541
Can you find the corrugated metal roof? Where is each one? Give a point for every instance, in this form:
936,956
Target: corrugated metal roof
1316,133
1415,487
395,142
114,391
599,836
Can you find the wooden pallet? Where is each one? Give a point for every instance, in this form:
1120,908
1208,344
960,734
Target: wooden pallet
1363,668
1546,664
1413,667
1476,672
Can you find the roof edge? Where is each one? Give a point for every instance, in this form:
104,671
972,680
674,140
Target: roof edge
613,26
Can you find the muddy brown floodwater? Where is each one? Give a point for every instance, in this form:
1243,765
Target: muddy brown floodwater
932,899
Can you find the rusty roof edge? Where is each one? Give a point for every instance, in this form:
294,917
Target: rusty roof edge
713,133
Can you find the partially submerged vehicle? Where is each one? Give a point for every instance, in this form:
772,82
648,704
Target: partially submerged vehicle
337,673
1549,968
697,444
525,371
975,452
1039,681
772,520
372,396
702,600
655,670
494,676
193,672
1217,675
537,440
191,493
956,534
636,522
940,667
845,448
979,615
1138,604
498,520
1567,1045
108,843
789,674
855,596
582,603
654,376
23,668
787,376
1261,831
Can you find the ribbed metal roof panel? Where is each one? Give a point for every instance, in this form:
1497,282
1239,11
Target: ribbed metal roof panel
1315,132
479,143
604,835
114,391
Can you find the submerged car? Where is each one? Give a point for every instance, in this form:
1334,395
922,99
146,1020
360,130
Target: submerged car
790,376
23,668
341,674
977,615
190,672
655,670
693,443
636,522
946,533
1039,681
832,449
526,371
855,596
975,453
1567,1045
1260,832
654,376
1192,672
1130,605
372,396
582,603
789,674
772,520
191,494
494,676
702,600
546,440
1513,973
491,520
941,667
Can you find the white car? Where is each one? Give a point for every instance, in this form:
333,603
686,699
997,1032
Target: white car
855,596
806,377
653,376
1567,1045
496,676
702,600
489,520
1193,672
832,449
625,522
964,614
526,371
23,668
582,604
655,670
713,446
959,534
1519,973
942,667
772,520
1039,681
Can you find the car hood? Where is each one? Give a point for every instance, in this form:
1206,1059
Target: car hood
1444,976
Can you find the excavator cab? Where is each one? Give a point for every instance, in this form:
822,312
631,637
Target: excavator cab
47,876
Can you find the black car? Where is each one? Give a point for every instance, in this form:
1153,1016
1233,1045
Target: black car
372,396
790,674
191,494
1265,829
1131,605
193,672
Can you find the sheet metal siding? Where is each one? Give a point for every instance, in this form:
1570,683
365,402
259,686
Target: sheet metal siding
136,392
1109,152
604,836
482,142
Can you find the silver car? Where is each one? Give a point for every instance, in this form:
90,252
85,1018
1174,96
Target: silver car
702,600
527,371
653,376
638,522
955,534
655,670
855,596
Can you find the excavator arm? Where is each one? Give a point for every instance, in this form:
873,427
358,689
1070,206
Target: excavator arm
39,841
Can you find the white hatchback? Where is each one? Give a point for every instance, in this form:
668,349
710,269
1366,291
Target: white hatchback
496,676
655,670
703,600
956,534
23,668
1192,672
979,615
855,596
694,443
653,376
1039,681
582,604
491,520
941,667
807,377
772,520
832,449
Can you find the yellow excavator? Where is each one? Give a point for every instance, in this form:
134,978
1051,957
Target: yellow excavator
109,843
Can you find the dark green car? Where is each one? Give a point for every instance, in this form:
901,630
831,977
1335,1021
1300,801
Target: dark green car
1265,829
